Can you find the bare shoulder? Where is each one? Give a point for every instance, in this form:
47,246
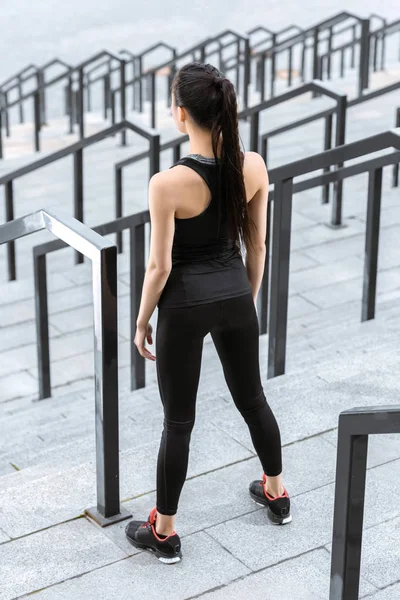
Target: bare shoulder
169,180
254,162
255,173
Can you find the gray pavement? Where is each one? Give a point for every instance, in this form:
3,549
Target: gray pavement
47,455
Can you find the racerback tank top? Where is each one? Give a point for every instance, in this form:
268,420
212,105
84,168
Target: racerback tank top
206,264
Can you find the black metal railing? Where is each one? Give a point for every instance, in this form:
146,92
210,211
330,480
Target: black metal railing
355,426
340,129
76,151
135,224
103,255
284,188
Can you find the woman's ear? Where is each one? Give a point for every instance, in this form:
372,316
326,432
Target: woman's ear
181,114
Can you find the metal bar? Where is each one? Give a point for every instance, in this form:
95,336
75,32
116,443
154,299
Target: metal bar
371,244
237,67
105,309
6,114
327,146
21,106
9,197
42,326
70,108
153,99
42,95
353,47
351,469
336,219
137,270
118,205
273,67
395,176
254,131
329,60
106,95
262,78
262,299
123,99
1,133
113,108
290,65
363,81
279,277
78,193
37,123
374,51
81,104
140,84
342,63
154,155
264,148
315,53
88,93
246,72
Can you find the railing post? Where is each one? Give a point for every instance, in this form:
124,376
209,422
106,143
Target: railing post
154,151
9,196
70,104
341,109
37,124
118,205
42,96
329,62
395,176
327,146
238,67
371,244
290,65
278,308
81,86
351,468
105,309
303,60
342,63
363,78
315,53
353,47
88,92
1,133
264,148
254,131
152,82
123,99
78,193
262,299
246,72
262,77
106,95
273,66
6,114
42,326
140,59
137,271
20,94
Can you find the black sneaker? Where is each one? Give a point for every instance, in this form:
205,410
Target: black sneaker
142,534
278,507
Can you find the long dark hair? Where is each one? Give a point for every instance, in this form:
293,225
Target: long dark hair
210,99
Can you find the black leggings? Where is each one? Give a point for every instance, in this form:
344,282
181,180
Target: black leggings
233,324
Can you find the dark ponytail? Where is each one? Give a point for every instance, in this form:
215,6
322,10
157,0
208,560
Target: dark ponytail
210,99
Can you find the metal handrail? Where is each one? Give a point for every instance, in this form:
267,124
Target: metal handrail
282,178
136,225
76,150
104,264
355,427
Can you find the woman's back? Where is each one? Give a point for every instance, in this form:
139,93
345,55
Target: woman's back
207,263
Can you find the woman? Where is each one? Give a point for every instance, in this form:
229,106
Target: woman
202,211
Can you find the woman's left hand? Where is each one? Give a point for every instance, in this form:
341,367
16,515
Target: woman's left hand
144,333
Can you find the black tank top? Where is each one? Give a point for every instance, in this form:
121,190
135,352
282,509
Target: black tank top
206,264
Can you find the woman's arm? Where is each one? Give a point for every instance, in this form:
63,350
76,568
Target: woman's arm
162,211
257,209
